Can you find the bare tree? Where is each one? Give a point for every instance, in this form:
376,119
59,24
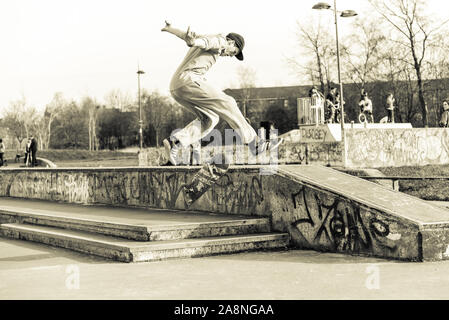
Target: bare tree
15,120
118,100
44,123
156,112
247,81
91,108
31,116
415,32
314,40
15,127
362,52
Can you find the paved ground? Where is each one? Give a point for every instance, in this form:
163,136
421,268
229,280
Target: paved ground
34,271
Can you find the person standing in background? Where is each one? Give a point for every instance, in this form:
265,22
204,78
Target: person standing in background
390,107
331,105
33,150
316,103
2,151
444,119
27,159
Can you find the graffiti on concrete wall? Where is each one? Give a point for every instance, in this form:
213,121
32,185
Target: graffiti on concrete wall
161,189
57,186
156,189
144,188
302,153
397,147
308,153
327,222
235,194
152,157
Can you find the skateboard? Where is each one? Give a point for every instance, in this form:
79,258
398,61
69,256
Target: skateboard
203,180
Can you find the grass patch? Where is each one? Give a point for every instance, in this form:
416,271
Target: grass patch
437,190
71,155
107,163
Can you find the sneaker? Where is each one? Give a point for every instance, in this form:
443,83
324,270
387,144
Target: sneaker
171,151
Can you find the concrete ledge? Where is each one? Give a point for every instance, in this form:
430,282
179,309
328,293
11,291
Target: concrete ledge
206,247
145,230
132,232
200,230
81,242
138,232
127,251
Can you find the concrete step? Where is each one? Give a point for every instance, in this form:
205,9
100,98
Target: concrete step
135,251
140,230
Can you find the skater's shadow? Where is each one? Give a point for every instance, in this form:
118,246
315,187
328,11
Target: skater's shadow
303,257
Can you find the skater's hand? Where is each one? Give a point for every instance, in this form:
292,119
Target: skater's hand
190,40
167,26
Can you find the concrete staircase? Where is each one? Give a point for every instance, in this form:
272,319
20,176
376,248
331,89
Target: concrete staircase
145,237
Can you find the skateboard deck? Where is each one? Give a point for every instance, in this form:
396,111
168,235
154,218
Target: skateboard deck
203,180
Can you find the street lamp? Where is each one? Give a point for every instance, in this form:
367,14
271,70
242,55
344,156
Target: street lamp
139,72
344,14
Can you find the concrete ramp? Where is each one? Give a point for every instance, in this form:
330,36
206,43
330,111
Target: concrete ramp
320,208
401,205
334,211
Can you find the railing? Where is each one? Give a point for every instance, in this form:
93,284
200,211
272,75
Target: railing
310,111
395,179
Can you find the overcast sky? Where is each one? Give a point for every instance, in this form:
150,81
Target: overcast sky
89,47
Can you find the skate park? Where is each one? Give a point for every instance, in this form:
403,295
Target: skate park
313,211
305,200
316,218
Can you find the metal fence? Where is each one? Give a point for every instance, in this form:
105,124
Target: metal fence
310,110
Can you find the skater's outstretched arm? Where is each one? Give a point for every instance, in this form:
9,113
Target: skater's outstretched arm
187,36
216,43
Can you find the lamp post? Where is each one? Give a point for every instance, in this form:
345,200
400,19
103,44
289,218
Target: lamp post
139,72
344,14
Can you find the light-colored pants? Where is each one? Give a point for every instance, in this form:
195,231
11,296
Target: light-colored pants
209,105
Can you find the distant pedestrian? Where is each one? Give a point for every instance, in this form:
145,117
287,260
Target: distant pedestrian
444,120
389,105
316,103
33,150
2,151
316,95
27,160
331,105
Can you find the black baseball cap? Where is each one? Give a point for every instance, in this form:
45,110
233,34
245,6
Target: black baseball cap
239,42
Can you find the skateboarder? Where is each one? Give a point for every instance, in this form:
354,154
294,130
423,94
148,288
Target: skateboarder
189,87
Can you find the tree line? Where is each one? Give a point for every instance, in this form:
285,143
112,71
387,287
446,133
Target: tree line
68,124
